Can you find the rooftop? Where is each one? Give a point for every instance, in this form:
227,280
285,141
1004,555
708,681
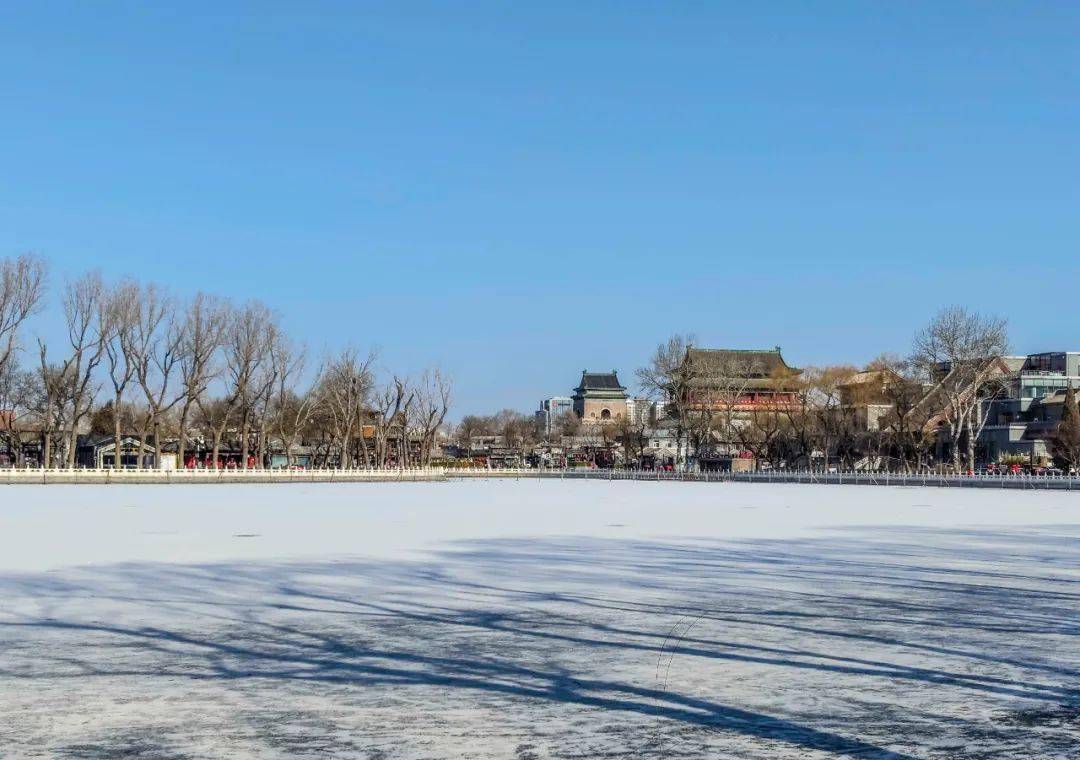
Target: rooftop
754,362
600,381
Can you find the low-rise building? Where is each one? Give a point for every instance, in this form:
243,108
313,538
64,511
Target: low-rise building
99,452
664,447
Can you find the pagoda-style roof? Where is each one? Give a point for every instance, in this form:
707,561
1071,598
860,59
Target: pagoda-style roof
758,364
755,369
600,381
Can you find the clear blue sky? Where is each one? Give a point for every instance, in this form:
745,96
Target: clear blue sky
518,191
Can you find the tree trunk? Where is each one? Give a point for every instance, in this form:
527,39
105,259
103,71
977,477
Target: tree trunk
346,453
217,447
364,448
244,443
157,443
73,437
956,432
971,449
181,449
116,435
264,448
46,433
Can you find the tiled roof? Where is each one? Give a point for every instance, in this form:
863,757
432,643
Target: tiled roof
755,362
600,381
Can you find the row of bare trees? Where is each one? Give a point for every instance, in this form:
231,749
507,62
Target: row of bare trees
22,287
516,430
202,372
360,421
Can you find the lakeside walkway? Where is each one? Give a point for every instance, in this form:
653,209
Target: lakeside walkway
14,476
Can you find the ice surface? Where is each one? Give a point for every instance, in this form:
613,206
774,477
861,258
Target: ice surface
526,619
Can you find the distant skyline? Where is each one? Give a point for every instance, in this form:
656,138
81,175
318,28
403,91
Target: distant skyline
517,192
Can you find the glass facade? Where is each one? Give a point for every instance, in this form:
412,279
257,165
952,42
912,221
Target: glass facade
1037,386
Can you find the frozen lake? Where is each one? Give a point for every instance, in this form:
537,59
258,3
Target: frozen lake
538,619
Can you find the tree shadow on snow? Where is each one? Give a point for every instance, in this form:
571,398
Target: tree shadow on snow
476,617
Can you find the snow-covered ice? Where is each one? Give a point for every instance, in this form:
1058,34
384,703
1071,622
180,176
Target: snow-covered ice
525,619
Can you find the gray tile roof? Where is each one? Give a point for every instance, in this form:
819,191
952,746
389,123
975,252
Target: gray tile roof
600,381
754,363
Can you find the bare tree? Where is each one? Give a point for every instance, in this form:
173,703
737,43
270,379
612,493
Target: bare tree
22,287
404,441
817,419
319,431
429,412
215,415
717,385
387,406
246,345
568,424
764,434
156,351
118,319
279,356
961,351
19,400
291,411
345,389
516,429
201,336
472,425
634,437
87,334
54,382
670,379
905,426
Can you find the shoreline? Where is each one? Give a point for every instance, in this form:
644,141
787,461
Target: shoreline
441,475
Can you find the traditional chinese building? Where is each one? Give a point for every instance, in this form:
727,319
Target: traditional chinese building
99,452
739,380
600,398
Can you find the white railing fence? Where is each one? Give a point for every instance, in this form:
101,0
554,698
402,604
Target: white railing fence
978,480
132,475
1055,481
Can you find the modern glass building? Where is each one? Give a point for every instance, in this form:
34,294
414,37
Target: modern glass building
551,409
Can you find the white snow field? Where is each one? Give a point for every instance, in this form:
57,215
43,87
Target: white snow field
538,619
